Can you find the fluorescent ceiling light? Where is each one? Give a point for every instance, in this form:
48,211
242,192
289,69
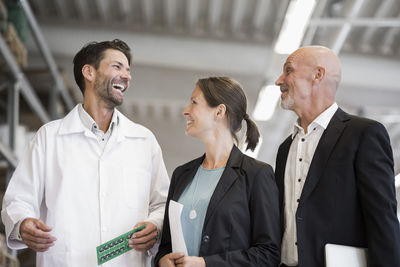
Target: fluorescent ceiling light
266,102
294,26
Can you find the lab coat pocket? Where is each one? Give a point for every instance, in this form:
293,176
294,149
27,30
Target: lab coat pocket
136,187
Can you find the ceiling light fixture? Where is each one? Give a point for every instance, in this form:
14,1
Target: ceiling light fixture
294,25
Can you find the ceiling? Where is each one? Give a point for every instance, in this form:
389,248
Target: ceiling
357,26
175,42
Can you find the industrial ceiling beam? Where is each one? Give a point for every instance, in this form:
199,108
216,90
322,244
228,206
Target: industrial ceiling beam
383,10
230,57
279,13
260,15
61,7
125,9
81,7
103,10
148,12
170,14
238,12
356,22
346,27
41,7
389,38
319,9
215,11
192,14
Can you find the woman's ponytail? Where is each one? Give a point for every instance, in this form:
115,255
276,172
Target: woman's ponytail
252,133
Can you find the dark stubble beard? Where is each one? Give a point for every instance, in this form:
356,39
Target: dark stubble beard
105,92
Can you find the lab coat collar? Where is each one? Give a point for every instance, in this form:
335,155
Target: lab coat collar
72,124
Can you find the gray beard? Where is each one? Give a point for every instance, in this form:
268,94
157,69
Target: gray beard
287,103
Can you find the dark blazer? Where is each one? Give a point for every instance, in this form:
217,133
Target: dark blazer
349,195
241,227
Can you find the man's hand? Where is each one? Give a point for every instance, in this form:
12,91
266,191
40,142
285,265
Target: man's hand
190,261
35,235
144,239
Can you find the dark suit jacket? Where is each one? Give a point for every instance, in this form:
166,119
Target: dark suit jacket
349,195
241,227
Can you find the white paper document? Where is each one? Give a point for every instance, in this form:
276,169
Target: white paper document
342,256
175,226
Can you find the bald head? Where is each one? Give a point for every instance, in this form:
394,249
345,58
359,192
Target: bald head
320,56
309,81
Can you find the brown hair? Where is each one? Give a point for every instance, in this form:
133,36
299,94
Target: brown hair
227,91
92,53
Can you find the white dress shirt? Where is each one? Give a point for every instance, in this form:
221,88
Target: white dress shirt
90,123
300,155
87,194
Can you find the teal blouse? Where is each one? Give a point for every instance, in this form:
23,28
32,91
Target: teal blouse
196,197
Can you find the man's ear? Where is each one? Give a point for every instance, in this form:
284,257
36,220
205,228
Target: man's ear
88,72
319,74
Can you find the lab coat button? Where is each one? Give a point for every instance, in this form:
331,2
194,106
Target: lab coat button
206,239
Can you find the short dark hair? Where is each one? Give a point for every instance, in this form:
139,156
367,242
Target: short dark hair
227,91
92,53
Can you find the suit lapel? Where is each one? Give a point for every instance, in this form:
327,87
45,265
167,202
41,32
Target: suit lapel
281,160
228,177
323,151
186,177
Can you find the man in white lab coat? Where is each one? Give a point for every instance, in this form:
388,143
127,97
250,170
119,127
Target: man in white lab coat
91,176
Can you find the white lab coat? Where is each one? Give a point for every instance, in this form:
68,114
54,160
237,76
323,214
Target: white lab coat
88,196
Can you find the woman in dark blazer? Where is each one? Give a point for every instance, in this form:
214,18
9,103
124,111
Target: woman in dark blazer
230,201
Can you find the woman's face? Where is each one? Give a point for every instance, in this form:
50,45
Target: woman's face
200,117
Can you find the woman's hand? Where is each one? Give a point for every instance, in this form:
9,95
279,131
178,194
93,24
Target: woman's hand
190,261
169,259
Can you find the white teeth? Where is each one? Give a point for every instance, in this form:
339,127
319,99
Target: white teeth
118,86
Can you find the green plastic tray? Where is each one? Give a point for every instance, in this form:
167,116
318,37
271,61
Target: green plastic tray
115,247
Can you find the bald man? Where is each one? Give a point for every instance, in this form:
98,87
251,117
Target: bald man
334,172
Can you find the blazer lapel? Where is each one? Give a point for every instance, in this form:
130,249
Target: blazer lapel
228,177
281,160
323,151
186,177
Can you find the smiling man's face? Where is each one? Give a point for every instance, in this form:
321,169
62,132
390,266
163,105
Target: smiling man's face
295,81
112,77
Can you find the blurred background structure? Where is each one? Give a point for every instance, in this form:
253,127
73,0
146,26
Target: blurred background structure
176,42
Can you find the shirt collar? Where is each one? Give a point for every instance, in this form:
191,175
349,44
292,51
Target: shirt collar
322,120
89,122
72,123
